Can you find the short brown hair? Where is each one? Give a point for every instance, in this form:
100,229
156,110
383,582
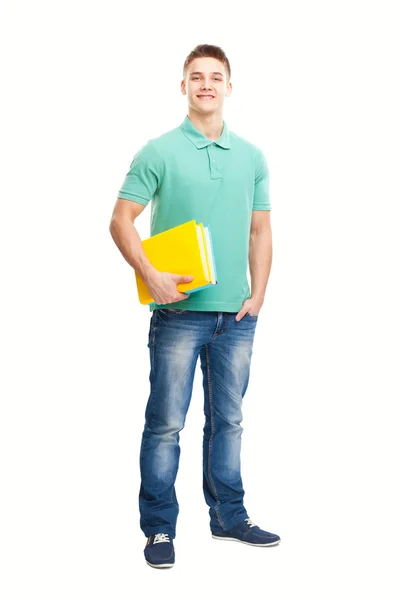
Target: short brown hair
206,50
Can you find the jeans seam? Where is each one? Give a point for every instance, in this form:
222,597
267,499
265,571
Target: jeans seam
174,311
211,439
153,343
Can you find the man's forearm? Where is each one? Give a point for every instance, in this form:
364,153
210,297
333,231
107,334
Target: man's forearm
127,239
260,259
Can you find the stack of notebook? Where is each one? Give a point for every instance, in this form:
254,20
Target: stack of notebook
184,250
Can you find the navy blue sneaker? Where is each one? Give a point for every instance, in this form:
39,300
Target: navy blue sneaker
247,532
159,551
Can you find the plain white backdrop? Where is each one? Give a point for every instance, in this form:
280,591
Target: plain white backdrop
315,85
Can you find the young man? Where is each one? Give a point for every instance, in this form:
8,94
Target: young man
199,170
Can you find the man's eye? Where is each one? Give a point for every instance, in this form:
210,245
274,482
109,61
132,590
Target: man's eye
216,78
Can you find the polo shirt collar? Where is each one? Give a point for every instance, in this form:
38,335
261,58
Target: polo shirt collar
200,140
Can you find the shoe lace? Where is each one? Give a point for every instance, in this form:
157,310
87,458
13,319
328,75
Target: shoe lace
250,522
161,537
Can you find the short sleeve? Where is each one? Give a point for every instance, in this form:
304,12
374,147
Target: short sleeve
261,199
144,175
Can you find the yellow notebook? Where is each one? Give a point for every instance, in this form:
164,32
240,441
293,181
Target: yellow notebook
185,250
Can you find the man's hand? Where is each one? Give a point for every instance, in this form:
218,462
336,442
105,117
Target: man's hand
252,306
163,287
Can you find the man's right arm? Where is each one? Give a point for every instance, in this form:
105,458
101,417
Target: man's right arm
162,285
127,239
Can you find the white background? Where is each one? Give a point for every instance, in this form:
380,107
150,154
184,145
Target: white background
84,85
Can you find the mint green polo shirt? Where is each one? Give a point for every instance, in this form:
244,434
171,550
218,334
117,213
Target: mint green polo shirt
219,183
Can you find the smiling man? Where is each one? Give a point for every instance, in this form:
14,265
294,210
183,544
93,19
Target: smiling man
199,170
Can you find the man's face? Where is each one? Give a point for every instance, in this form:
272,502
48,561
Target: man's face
206,85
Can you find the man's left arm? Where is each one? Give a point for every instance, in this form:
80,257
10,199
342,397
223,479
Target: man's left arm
260,256
260,260
260,243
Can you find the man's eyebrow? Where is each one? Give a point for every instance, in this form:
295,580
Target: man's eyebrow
200,73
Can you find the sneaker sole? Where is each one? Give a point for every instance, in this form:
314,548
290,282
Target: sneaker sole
229,539
162,566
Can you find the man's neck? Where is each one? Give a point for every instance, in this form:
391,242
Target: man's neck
210,125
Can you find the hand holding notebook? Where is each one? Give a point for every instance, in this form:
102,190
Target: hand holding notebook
182,250
162,286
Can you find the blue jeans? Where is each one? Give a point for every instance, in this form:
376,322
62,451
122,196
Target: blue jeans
176,338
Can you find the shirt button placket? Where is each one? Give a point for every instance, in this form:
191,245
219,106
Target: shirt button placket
214,168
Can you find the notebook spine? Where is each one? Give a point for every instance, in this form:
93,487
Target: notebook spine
212,253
